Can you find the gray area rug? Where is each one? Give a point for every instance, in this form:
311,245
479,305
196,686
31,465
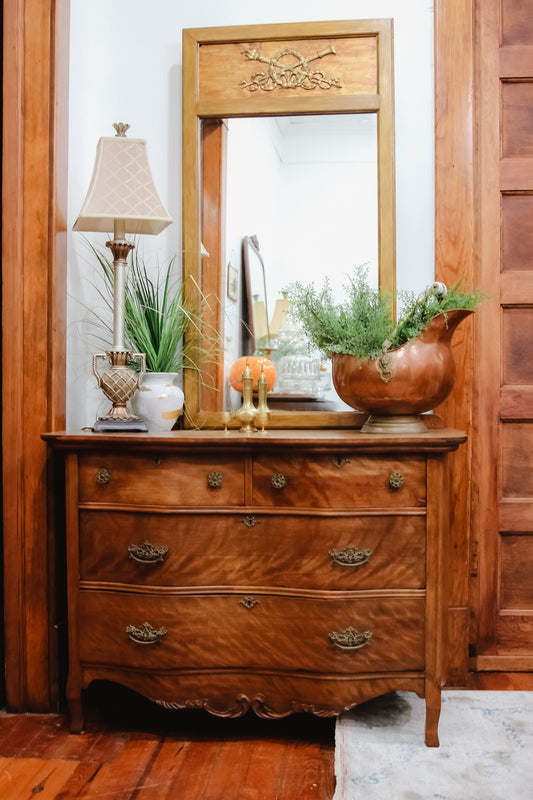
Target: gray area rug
485,753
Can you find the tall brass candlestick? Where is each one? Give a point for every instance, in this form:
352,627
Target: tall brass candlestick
246,413
263,411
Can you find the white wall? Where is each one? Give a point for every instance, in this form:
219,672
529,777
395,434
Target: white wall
126,66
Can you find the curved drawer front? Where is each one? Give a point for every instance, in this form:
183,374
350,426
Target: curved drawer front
319,552
378,634
161,480
330,481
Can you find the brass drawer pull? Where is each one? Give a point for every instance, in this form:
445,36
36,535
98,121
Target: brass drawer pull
249,602
351,556
103,476
279,481
396,480
214,480
350,639
145,634
148,553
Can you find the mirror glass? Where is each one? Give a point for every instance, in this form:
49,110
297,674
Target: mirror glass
301,203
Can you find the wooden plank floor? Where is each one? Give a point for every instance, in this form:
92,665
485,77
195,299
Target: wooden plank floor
132,750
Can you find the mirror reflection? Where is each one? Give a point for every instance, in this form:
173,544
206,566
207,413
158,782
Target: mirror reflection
301,202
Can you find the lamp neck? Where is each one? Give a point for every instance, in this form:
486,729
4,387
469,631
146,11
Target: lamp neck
120,250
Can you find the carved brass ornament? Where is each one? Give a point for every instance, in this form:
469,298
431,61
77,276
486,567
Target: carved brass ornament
249,602
351,556
148,553
396,480
214,480
145,634
289,69
350,639
278,480
103,476
385,366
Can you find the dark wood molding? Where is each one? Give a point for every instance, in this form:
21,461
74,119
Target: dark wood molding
34,181
454,260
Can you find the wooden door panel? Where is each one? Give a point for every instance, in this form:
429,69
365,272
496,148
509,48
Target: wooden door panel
504,513
516,232
517,346
516,569
517,119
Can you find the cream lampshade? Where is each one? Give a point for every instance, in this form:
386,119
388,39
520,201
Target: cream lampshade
122,197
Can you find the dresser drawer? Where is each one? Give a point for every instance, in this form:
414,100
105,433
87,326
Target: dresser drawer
329,481
302,551
279,633
164,480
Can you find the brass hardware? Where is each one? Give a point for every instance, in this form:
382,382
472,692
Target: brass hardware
249,602
147,553
350,639
289,69
214,480
351,556
263,412
385,366
278,480
396,480
145,634
103,476
246,413
340,461
250,521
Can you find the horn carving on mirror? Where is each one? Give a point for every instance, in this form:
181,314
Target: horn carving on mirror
314,68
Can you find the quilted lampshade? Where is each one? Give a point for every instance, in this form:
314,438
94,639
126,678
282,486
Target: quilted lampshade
122,188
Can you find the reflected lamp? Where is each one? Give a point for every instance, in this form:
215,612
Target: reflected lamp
122,197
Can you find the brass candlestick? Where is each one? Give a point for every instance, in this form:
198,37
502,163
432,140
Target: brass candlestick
263,411
247,412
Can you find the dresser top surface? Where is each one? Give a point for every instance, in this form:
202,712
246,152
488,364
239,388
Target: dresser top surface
442,439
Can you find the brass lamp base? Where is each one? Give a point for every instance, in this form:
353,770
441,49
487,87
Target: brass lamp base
119,383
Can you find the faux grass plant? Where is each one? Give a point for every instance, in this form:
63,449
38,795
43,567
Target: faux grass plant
361,324
156,316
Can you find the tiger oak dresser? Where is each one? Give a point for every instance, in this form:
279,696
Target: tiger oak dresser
282,571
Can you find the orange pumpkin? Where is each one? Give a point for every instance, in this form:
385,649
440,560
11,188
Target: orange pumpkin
256,363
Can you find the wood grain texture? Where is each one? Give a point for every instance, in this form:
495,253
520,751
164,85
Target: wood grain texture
189,754
34,296
203,550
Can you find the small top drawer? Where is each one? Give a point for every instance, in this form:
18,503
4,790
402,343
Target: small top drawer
165,480
339,481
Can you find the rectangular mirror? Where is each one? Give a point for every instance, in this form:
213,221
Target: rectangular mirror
288,142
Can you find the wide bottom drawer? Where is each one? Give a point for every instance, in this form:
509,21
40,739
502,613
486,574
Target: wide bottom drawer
329,634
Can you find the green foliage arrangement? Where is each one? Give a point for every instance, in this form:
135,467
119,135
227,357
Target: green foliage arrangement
156,315
362,324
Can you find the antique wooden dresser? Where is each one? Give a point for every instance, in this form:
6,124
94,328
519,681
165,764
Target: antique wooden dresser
282,571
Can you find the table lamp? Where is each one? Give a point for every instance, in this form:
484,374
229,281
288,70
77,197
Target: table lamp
122,197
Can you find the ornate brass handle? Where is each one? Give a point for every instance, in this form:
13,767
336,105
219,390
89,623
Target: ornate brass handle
396,480
148,553
214,480
279,481
351,556
350,639
103,476
145,634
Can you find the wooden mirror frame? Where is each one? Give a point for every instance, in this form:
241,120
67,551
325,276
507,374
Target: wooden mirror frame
215,71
